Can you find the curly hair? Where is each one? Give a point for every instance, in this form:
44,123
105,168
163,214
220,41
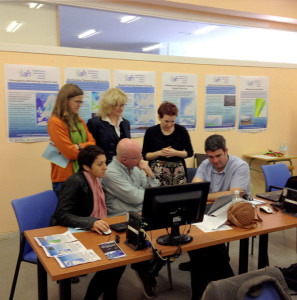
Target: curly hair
112,97
167,108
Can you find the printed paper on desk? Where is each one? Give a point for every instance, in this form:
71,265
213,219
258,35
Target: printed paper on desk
77,258
64,248
77,229
255,201
52,154
216,221
211,223
55,239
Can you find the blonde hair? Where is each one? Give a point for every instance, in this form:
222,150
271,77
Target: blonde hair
112,97
61,108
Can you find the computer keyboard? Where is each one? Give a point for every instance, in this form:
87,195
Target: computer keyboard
119,227
272,196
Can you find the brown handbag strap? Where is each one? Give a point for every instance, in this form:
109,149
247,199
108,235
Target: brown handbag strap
257,218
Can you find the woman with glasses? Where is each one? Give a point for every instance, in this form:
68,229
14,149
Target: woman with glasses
109,127
68,132
166,146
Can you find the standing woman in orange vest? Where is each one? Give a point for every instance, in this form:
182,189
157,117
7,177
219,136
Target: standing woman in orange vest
68,132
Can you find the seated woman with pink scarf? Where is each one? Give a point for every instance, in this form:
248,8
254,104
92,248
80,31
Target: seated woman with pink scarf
82,204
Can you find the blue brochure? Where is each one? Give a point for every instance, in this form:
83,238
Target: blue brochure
52,154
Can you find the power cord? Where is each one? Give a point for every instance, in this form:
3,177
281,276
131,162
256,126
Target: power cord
178,251
153,246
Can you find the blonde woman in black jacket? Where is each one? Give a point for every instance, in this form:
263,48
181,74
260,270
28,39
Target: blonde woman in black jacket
109,127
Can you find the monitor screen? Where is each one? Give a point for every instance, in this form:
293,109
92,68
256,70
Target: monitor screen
175,205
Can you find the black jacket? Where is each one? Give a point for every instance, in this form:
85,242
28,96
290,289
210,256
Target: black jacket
75,203
105,135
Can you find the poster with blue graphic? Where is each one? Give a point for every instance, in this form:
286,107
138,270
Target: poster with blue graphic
31,93
94,82
141,106
253,103
181,89
220,102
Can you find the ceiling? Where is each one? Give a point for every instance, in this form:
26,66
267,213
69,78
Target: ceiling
130,37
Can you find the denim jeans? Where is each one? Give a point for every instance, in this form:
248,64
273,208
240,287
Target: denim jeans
57,186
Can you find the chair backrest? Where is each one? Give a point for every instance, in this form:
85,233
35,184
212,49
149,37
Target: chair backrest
266,283
199,158
190,174
276,174
34,211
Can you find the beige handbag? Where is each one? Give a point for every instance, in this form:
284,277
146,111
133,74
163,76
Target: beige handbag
243,214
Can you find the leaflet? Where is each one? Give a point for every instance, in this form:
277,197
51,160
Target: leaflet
112,250
55,239
52,154
62,249
77,258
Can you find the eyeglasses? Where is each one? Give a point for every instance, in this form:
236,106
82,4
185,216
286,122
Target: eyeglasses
77,102
120,105
135,158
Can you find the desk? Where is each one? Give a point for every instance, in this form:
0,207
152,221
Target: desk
270,159
271,223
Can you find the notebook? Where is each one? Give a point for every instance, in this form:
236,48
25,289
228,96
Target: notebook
276,195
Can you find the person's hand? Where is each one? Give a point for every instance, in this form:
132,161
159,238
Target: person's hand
143,165
168,152
100,226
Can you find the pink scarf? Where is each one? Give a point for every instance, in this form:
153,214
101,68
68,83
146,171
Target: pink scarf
99,210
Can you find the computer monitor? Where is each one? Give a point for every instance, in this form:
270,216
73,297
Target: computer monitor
172,206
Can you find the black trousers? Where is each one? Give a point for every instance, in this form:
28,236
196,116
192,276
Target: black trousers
208,264
106,282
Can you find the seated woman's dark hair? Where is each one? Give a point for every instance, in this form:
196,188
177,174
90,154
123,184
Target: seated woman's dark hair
87,156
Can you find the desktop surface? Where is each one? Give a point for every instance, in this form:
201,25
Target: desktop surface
271,223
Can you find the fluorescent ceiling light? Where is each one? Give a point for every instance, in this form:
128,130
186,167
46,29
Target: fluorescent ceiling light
129,19
87,34
32,4
14,26
153,47
206,29
35,5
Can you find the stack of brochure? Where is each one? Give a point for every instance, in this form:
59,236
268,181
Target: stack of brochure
66,249
112,250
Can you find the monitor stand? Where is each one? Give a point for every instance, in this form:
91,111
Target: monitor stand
174,238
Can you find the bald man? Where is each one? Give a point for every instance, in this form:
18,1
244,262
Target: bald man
124,184
126,178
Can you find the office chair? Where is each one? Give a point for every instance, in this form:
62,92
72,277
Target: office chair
199,158
262,284
32,212
276,176
190,174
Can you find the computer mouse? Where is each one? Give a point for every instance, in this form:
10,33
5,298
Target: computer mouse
107,232
266,209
